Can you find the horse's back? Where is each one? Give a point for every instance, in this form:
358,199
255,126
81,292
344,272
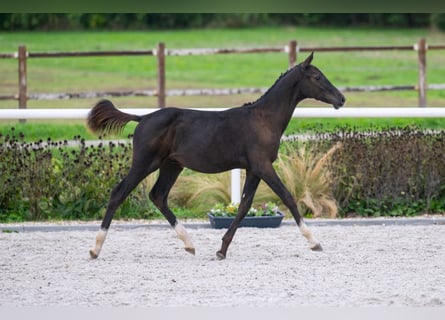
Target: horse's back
191,120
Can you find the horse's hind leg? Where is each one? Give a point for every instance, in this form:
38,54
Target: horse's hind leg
168,173
118,195
249,190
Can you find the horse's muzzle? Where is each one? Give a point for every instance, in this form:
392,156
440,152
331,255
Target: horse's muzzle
341,101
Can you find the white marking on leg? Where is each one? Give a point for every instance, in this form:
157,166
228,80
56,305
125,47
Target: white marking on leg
100,238
184,236
308,235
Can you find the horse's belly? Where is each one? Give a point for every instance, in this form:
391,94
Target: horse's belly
210,161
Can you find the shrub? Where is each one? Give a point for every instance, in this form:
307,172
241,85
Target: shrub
306,175
26,179
399,171
49,180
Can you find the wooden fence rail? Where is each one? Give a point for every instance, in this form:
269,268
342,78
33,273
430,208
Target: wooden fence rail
292,49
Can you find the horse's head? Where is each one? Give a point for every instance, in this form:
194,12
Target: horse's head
315,85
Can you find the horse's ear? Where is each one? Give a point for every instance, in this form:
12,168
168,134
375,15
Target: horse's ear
308,60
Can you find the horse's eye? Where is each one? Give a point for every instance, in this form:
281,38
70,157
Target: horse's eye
317,77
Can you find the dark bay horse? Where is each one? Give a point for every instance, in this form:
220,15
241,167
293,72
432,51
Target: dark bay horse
247,137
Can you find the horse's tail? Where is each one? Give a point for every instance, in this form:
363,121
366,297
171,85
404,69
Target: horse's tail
105,118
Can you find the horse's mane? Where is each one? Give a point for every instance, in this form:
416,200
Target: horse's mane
271,87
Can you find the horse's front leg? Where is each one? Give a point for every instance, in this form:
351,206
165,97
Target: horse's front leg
249,189
271,178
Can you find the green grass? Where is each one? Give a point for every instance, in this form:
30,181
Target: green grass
275,36
56,130
240,70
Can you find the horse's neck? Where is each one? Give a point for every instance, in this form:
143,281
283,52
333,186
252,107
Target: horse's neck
279,103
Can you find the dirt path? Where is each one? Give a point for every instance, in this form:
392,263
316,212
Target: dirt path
361,266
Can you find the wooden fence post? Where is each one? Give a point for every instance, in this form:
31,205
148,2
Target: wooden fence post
422,86
292,53
161,74
22,55
22,76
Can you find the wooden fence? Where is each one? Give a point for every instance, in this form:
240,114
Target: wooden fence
292,49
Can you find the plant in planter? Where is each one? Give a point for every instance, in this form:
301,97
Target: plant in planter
263,216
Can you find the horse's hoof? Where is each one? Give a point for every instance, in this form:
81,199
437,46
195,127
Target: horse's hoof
220,255
190,250
317,247
93,254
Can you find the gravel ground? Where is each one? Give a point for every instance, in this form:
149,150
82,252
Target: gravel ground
393,265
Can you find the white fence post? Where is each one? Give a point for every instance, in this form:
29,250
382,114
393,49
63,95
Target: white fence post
235,186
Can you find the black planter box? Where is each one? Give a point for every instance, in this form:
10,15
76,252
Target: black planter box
255,222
